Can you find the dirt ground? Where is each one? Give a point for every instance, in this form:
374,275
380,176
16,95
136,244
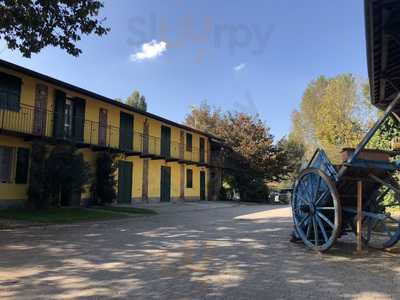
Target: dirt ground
188,251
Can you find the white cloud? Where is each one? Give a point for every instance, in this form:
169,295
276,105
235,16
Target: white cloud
150,50
239,67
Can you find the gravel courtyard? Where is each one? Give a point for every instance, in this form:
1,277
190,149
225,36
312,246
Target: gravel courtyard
188,251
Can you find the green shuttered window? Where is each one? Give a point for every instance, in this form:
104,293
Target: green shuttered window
69,117
59,114
5,164
78,123
21,173
165,141
10,92
189,178
189,142
126,132
202,150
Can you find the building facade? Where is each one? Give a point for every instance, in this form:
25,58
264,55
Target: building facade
158,159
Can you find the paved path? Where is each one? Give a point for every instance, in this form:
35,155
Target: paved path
197,251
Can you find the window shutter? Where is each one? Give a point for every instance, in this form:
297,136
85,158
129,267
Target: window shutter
202,150
10,92
189,178
79,119
126,131
5,164
59,111
21,176
165,141
189,142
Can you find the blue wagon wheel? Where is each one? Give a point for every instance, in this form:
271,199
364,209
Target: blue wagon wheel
317,213
381,220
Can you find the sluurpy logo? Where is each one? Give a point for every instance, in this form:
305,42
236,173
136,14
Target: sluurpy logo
151,36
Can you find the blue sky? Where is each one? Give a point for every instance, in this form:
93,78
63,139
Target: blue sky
255,56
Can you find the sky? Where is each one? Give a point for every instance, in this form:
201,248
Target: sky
254,56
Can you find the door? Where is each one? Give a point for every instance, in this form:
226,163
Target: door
165,189
202,150
102,127
165,141
39,118
124,182
126,131
202,185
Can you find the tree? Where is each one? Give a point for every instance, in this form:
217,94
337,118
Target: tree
105,178
337,125
38,197
138,101
253,158
205,118
382,139
67,173
334,113
304,121
30,25
291,153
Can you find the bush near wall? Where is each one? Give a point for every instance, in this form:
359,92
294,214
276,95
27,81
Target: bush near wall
105,183
56,176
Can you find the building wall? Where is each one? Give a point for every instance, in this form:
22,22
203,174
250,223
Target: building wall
194,192
137,178
17,193
155,178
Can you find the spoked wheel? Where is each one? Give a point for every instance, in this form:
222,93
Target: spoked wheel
381,217
317,213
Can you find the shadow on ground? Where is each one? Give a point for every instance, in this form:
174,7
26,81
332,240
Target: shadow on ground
235,252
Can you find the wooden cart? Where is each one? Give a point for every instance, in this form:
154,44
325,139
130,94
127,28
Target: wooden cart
329,200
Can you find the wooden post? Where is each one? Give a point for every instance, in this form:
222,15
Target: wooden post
359,217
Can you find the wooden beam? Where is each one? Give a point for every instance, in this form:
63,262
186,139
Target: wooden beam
384,58
388,185
359,217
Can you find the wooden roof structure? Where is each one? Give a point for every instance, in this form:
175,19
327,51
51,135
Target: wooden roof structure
382,20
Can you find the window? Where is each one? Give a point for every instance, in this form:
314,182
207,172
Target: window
189,142
189,178
165,141
22,166
5,164
10,91
202,150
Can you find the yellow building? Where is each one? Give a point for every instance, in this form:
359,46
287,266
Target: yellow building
158,159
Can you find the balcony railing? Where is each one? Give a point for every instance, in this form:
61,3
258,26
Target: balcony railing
32,121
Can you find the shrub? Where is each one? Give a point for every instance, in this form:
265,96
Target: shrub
105,183
38,194
66,174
